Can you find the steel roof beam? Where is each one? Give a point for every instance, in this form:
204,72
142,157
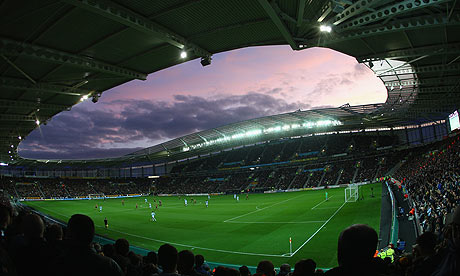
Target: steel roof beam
423,69
12,83
31,105
424,81
353,10
325,11
391,10
278,23
300,12
397,26
437,89
10,47
11,117
452,48
138,22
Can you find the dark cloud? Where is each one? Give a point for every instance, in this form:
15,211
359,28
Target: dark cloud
81,133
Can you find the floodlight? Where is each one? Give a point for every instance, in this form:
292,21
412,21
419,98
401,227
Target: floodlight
206,60
325,28
37,122
85,97
19,137
183,54
95,98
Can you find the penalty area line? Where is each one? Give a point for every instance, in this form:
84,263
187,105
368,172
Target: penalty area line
319,229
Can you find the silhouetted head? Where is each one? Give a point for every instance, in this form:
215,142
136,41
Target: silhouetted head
122,247
244,271
167,258
80,229
266,267
33,226
54,233
185,261
199,260
304,267
357,244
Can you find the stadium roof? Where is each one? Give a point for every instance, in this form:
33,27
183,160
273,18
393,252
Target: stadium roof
53,53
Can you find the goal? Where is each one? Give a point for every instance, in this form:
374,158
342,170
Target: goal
351,193
96,196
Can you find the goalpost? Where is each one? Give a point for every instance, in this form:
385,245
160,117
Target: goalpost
352,193
96,196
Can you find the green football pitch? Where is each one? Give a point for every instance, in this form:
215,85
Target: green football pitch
232,232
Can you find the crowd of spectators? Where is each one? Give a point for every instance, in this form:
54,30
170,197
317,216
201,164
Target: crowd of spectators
31,245
431,177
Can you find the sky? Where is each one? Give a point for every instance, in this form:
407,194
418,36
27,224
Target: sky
239,85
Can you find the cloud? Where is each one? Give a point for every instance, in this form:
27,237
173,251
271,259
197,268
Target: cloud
100,133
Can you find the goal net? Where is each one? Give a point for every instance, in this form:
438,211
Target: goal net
96,196
351,193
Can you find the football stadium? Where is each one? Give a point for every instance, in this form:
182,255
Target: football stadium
369,189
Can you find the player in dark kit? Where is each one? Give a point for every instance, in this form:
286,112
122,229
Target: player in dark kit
106,223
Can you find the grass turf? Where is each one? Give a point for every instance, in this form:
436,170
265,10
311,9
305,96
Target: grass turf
231,232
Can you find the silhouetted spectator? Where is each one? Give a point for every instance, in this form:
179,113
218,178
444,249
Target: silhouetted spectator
135,262
285,269
304,268
121,254
424,253
244,271
109,250
226,271
450,263
355,252
53,237
167,259
185,263
201,266
265,268
29,250
79,259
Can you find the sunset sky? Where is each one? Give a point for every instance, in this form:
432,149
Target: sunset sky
238,85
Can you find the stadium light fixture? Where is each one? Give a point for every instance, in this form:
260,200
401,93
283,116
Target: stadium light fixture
183,54
205,61
37,122
85,97
325,28
12,146
19,137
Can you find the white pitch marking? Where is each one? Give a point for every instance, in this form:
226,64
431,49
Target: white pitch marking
311,237
262,208
185,245
321,208
278,222
320,203
197,247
